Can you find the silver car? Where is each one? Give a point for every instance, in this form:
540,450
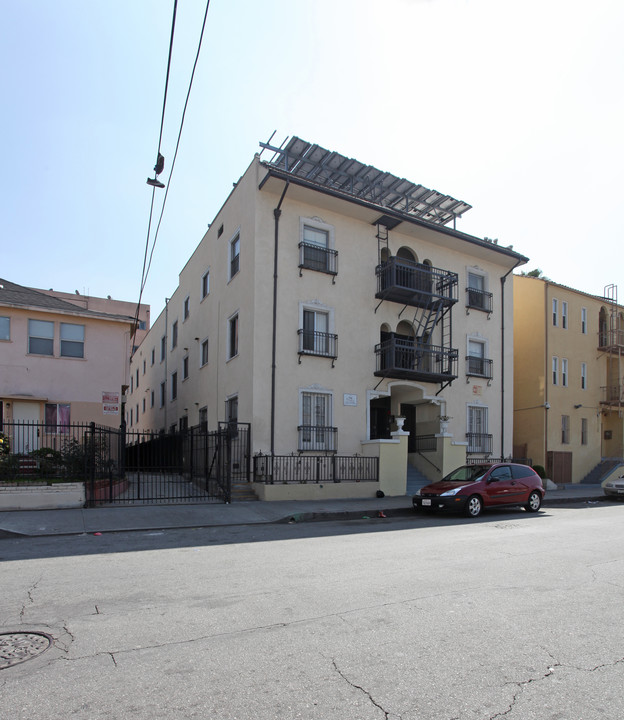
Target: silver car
615,487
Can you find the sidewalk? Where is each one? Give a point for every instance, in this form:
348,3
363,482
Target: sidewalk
160,517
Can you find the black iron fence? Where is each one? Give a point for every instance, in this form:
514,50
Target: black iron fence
76,451
302,469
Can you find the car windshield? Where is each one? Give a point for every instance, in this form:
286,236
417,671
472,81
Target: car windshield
467,473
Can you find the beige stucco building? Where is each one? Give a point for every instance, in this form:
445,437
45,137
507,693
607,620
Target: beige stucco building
568,383
60,355
326,299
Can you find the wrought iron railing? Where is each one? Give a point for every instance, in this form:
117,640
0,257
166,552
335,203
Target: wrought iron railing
479,443
612,395
318,343
316,257
317,438
478,366
302,469
415,283
478,299
406,359
425,443
611,338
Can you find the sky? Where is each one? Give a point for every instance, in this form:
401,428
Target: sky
517,108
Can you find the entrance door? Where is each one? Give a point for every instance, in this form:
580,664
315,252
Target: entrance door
380,418
26,426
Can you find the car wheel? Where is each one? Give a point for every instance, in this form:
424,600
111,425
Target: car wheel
474,506
534,503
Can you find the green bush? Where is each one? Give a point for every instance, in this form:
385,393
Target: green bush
49,461
540,471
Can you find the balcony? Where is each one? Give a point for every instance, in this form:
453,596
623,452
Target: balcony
318,343
403,358
478,367
479,443
478,300
612,395
411,283
611,339
317,257
317,438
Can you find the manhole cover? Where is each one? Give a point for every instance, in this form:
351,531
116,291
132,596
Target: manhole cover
19,647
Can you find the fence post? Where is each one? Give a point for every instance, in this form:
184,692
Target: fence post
91,460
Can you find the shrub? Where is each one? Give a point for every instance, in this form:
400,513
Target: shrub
540,471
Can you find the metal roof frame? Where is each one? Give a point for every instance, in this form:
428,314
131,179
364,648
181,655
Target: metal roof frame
326,168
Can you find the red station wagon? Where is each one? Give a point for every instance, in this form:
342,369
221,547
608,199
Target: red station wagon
471,488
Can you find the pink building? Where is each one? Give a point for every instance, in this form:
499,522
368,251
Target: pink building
64,358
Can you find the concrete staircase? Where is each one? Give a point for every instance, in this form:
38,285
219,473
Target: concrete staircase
415,480
596,476
242,492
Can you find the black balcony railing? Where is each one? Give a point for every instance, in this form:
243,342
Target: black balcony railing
478,367
409,360
316,257
317,438
478,299
318,343
612,395
415,284
480,443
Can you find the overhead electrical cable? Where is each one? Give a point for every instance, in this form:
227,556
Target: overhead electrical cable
175,155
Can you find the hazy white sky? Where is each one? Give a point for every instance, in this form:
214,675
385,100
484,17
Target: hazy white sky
514,107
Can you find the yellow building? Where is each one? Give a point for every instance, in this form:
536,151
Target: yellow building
568,367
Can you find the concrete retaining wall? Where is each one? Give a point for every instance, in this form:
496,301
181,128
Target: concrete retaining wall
39,496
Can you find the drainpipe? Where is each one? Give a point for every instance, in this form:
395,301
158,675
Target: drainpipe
502,422
276,214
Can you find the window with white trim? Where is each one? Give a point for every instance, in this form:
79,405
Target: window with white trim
555,312
57,417
153,358
565,429
185,367
203,419
316,431
174,385
205,284
583,431
174,335
316,246
316,325
232,338
5,328
564,372
151,398
583,376
231,409
203,359
584,321
477,360
162,394
555,370
40,337
234,255
72,340
479,439
163,347
186,309
564,315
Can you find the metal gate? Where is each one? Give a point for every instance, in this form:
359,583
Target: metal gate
189,466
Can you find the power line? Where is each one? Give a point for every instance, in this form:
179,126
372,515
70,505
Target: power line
146,270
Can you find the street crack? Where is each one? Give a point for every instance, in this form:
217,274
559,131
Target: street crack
360,688
29,599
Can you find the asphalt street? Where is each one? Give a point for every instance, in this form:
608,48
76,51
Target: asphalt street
512,615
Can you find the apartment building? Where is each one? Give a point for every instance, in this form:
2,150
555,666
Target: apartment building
568,396
328,304
60,361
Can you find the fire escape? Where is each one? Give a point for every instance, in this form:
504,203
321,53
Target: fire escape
426,353
611,342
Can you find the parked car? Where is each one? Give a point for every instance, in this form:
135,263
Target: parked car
471,488
614,488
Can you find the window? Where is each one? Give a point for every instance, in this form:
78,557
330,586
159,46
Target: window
583,431
476,360
142,325
204,353
152,399
72,340
315,431
174,335
479,440
130,417
583,376
57,418
584,321
478,297
232,337
153,355
205,284
5,328
314,336
137,378
162,394
564,315
163,347
555,311
131,383
564,372
137,412
203,419
565,429
315,248
144,366
231,409
185,367
40,337
174,385
187,308
555,371
234,255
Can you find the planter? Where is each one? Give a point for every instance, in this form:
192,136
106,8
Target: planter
41,496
